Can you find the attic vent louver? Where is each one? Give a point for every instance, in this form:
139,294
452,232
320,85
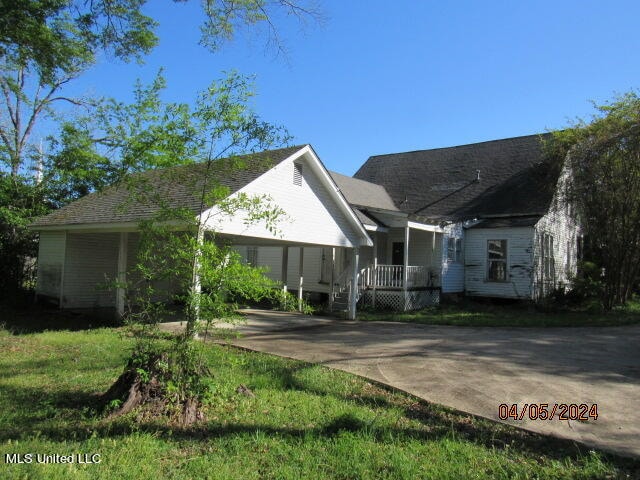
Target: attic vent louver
297,174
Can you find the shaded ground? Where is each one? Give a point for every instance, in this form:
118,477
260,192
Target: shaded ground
25,316
477,369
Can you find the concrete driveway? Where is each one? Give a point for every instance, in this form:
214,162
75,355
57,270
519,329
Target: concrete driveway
477,369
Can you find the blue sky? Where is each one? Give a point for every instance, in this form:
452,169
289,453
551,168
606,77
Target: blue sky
383,77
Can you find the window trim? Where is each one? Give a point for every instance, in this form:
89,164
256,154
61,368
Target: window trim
454,250
547,257
490,260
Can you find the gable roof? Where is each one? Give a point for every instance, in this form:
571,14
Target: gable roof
178,187
361,193
443,183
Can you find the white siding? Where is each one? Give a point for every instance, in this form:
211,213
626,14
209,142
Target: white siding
271,257
312,214
565,232
452,272
164,289
421,249
311,271
50,261
560,224
382,240
91,261
519,262
420,246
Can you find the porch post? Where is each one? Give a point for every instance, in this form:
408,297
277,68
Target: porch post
375,267
301,275
64,263
333,267
122,273
405,265
285,267
353,297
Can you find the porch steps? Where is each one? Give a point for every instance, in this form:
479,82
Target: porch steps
340,302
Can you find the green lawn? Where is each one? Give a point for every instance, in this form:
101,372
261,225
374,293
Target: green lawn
306,421
475,314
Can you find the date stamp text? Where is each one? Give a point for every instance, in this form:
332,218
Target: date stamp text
582,412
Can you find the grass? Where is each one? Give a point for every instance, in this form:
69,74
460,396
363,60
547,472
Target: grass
471,313
305,421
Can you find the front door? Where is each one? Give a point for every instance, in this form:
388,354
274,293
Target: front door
397,253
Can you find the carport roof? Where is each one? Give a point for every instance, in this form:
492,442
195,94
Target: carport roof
143,195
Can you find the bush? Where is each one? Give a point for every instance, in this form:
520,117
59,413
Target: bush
586,289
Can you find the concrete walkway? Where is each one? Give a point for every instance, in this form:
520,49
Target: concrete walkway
477,369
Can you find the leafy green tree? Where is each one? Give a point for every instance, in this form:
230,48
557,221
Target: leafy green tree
44,46
603,155
206,274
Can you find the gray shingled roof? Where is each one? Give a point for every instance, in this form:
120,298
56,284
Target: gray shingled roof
361,193
441,183
366,218
177,187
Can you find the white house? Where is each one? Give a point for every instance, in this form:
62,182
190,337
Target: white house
484,219
96,236
478,219
507,231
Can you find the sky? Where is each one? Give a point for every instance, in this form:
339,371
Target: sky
380,76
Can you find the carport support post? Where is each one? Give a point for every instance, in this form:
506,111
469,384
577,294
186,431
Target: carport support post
353,293
283,274
301,275
333,267
405,266
64,263
122,273
285,267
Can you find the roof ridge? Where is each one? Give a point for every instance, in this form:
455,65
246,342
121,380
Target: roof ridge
453,147
355,178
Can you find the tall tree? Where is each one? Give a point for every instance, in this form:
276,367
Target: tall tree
603,155
205,273
45,45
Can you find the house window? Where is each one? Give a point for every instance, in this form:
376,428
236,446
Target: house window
252,256
297,174
497,260
548,260
454,249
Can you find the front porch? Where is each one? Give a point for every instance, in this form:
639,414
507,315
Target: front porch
402,271
391,277
400,288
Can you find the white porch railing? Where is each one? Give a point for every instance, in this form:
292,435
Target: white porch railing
392,276
384,276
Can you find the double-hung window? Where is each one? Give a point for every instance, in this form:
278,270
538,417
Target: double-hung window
454,249
548,260
497,260
252,256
